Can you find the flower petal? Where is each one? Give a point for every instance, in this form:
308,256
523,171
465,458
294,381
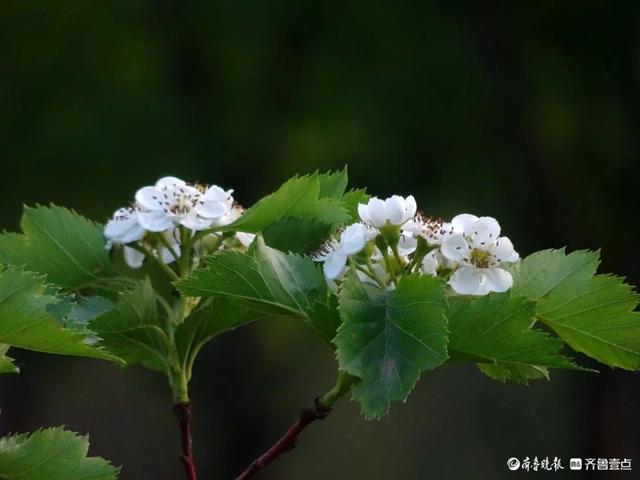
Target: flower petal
169,182
150,198
497,279
465,280
193,222
504,252
484,287
225,219
377,212
407,245
414,227
155,220
212,209
124,229
353,239
166,256
370,232
410,208
464,223
135,233
395,210
216,194
133,257
245,238
486,231
430,263
455,247
334,265
363,212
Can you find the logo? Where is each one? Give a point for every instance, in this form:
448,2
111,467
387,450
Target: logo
535,464
513,463
575,464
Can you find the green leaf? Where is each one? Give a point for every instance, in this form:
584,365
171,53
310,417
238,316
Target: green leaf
25,321
301,214
61,243
495,331
265,280
388,338
297,235
13,247
51,454
542,272
333,184
6,363
206,323
86,309
297,194
325,320
76,312
515,373
134,331
300,197
593,314
306,233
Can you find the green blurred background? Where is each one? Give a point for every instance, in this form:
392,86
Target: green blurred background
526,111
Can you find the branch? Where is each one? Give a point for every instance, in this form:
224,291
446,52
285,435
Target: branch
288,440
320,411
183,412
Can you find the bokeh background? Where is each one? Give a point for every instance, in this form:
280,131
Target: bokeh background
526,111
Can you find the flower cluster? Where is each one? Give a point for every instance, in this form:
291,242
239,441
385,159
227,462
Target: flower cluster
392,238
169,213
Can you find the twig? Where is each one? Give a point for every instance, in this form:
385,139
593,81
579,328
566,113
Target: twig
288,440
322,408
183,412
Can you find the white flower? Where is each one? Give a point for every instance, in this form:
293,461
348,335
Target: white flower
161,209
123,227
477,248
334,254
434,231
333,260
217,204
394,210
172,202
355,236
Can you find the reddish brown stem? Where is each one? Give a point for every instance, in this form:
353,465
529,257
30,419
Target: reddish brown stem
183,412
287,441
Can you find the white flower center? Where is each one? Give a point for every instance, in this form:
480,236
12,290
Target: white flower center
480,258
178,200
